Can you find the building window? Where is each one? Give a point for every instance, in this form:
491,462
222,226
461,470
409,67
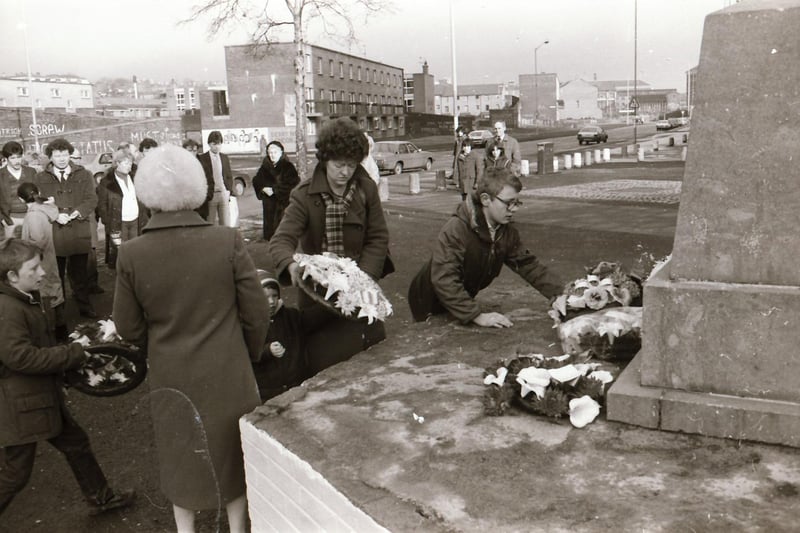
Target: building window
180,100
22,91
84,93
341,96
359,73
351,71
69,104
330,66
374,76
333,95
309,93
55,92
308,63
319,65
341,70
220,103
376,123
192,99
322,94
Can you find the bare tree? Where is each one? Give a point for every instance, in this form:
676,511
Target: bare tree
268,18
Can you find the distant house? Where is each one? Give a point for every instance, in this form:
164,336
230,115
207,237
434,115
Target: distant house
580,100
539,96
66,93
475,100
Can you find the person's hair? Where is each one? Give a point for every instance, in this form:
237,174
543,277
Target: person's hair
12,148
279,145
124,145
147,143
497,147
59,145
503,122
119,155
13,253
466,142
341,139
215,137
29,192
460,129
171,179
494,180
190,142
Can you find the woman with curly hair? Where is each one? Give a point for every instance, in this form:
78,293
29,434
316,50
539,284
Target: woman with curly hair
273,182
338,210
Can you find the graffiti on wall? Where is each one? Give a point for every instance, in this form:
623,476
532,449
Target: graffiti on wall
251,140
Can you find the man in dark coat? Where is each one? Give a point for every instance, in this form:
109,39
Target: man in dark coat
217,168
470,251
14,174
32,406
73,188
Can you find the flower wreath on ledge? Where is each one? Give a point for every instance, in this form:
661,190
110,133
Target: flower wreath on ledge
550,386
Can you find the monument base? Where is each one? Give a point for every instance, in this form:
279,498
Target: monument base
715,415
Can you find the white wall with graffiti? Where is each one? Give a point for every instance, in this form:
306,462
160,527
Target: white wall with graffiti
252,140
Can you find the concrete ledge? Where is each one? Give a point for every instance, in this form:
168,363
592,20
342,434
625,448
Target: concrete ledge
285,493
715,415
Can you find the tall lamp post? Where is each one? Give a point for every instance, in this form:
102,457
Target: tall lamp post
536,80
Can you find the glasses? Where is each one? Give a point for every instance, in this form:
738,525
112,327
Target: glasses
510,204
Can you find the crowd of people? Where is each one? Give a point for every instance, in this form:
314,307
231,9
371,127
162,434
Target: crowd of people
218,336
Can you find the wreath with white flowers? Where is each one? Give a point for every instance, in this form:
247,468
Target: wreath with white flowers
337,283
550,386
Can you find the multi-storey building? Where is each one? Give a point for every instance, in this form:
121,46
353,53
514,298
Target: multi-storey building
259,102
419,92
69,94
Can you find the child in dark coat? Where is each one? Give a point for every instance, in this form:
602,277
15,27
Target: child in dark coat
282,364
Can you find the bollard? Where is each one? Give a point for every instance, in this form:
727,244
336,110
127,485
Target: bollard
606,155
567,161
413,183
383,188
624,150
587,158
685,138
640,152
525,167
441,180
555,164
683,153
597,157
577,160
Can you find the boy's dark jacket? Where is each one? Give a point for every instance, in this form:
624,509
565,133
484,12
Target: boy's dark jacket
275,375
30,370
466,260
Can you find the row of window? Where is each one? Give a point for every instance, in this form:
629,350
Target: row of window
55,92
371,98
354,72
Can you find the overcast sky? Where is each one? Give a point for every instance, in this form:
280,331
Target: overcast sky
495,39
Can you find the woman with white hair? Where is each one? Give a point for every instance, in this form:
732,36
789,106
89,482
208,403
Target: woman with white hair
189,290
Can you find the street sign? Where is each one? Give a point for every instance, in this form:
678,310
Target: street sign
633,103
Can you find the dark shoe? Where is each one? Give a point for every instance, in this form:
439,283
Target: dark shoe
88,312
97,289
117,501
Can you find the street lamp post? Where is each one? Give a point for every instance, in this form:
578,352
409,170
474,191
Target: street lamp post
536,81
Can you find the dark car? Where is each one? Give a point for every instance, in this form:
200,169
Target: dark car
589,134
479,138
396,156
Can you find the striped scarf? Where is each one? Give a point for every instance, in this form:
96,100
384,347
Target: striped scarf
335,210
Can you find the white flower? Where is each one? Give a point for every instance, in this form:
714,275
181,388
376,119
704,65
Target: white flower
498,379
596,298
603,376
534,380
576,302
592,280
108,330
565,374
582,411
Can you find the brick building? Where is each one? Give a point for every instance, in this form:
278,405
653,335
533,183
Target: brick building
259,101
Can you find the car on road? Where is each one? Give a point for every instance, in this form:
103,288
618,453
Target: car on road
479,138
663,125
588,134
397,156
97,164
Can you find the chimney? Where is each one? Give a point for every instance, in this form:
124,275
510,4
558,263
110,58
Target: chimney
595,76
425,67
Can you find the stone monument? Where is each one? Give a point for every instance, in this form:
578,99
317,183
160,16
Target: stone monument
721,328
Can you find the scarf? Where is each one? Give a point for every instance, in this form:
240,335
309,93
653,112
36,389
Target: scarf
335,210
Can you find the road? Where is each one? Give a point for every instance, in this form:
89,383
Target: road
249,206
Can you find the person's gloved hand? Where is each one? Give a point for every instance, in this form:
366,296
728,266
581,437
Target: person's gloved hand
277,349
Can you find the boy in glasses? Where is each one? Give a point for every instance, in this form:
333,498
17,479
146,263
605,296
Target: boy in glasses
471,249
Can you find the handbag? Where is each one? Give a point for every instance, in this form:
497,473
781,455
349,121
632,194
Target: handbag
233,212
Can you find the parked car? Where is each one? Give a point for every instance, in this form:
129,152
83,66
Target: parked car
588,134
97,164
479,138
397,156
663,125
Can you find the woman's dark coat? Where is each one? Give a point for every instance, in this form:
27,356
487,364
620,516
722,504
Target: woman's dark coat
189,290
282,177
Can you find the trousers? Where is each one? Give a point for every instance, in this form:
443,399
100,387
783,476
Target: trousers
16,464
